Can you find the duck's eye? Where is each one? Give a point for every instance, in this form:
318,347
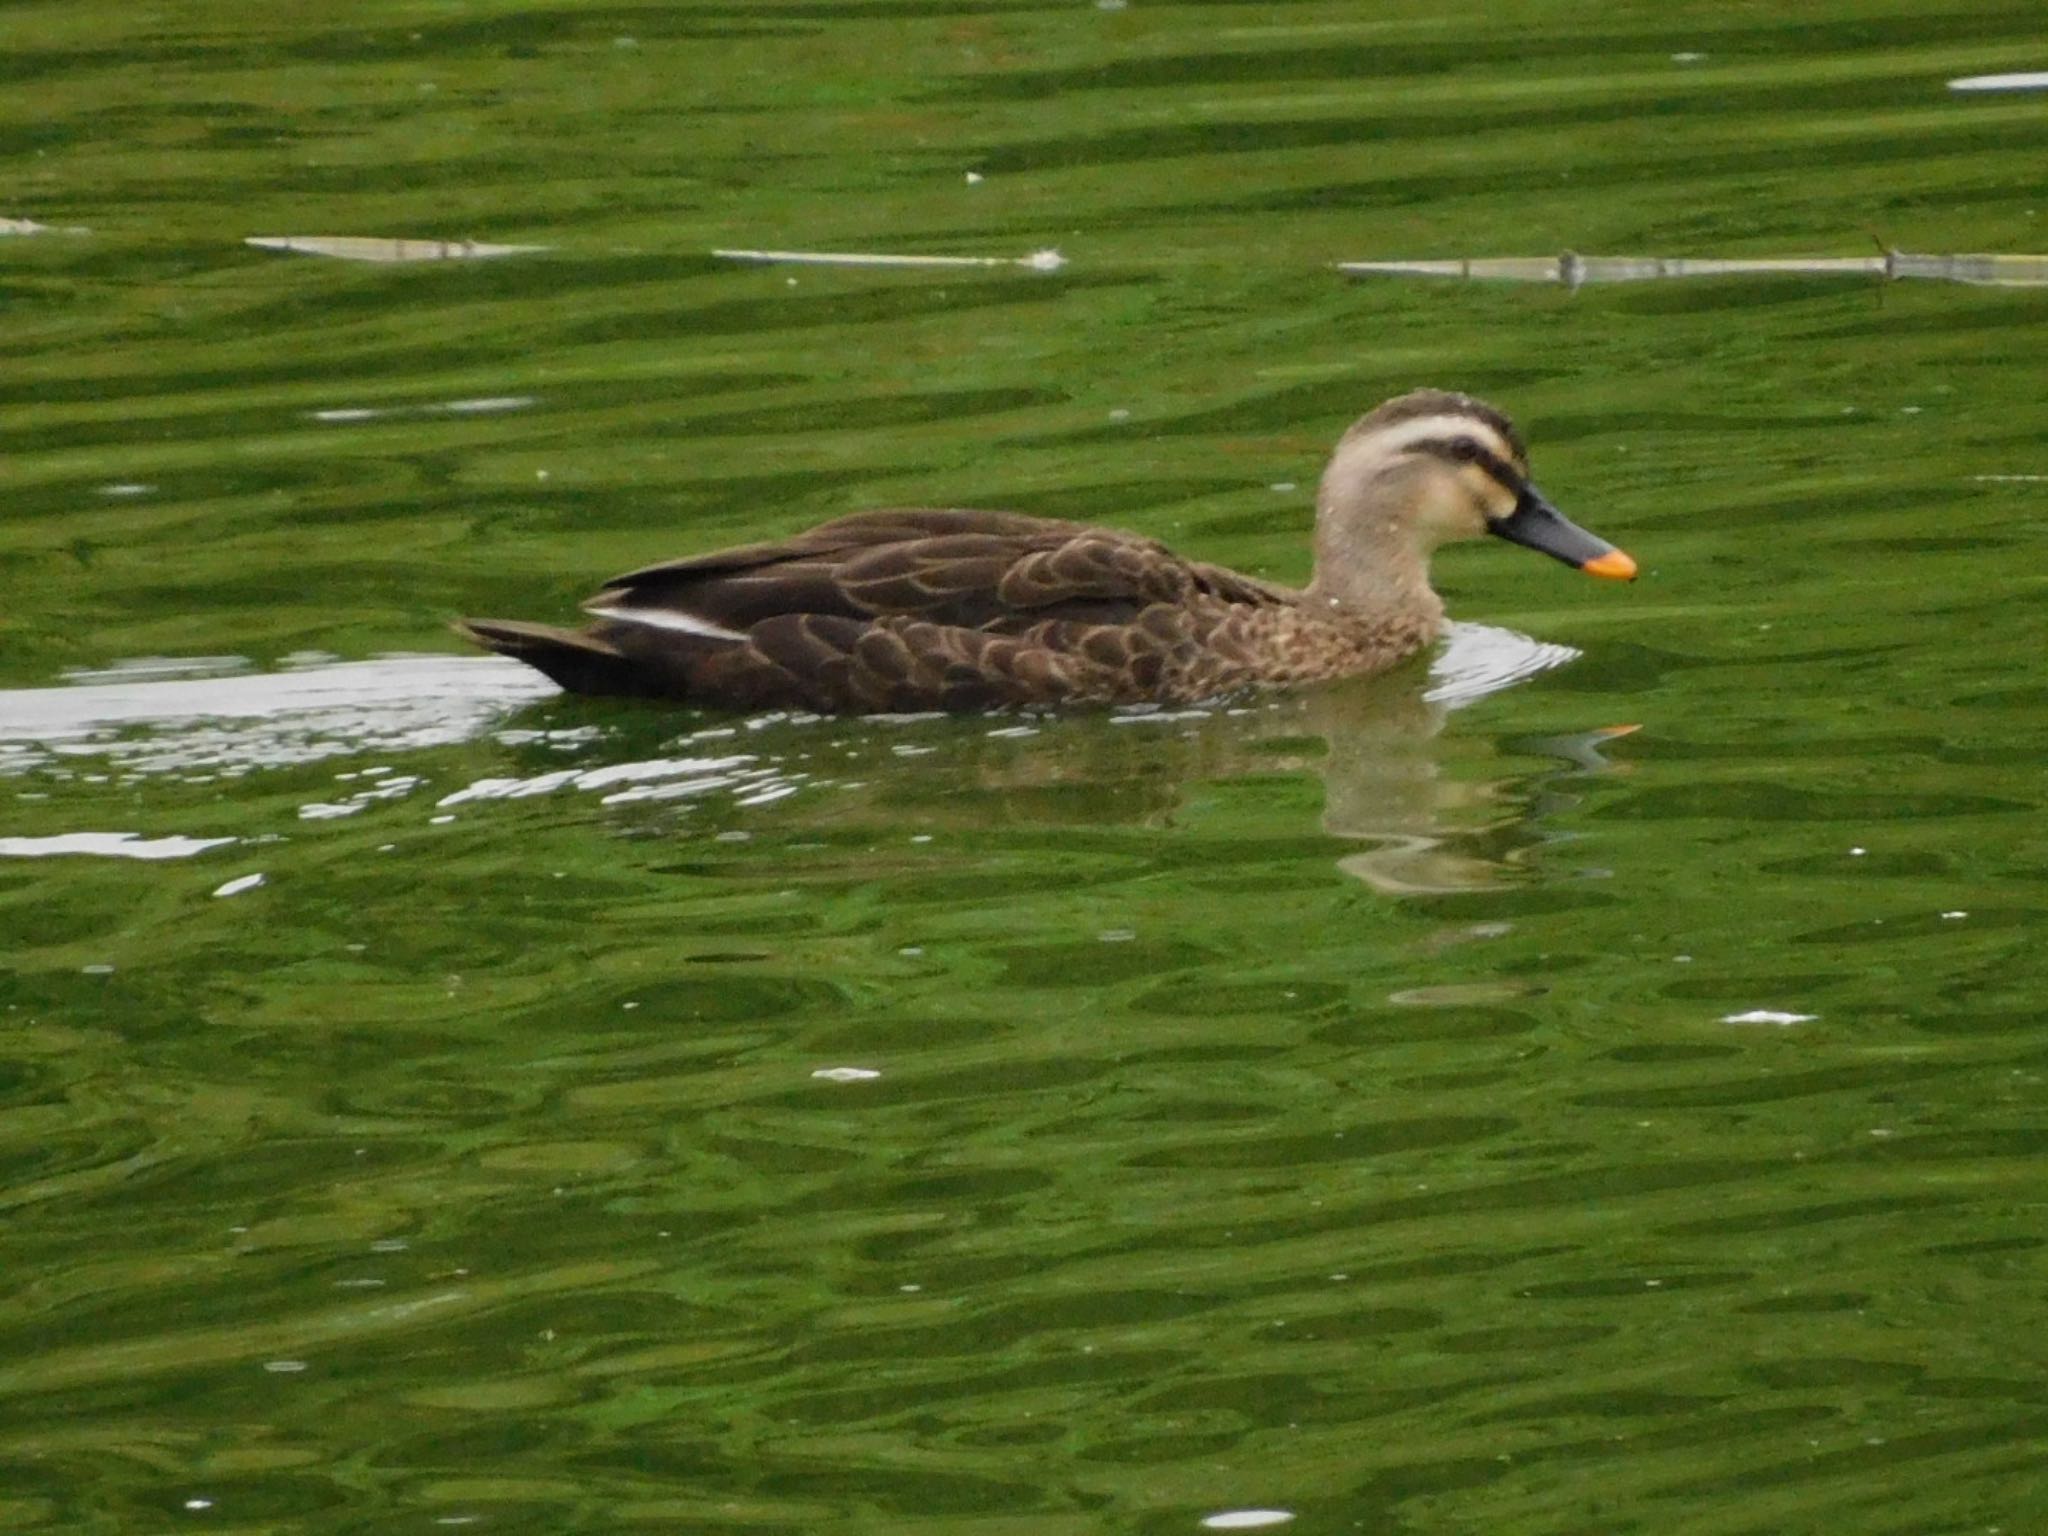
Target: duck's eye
1465,450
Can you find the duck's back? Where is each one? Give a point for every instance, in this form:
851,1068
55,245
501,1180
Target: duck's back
914,609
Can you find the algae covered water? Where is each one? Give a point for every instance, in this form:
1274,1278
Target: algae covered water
1593,1082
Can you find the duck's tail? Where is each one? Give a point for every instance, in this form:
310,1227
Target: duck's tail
577,659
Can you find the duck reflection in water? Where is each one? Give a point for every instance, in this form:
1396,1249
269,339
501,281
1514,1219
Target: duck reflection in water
1429,811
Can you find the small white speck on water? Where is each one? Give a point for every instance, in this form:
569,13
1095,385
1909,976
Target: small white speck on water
1857,853
1952,916
1119,414
1246,1519
1282,486
439,821
1681,959
540,474
284,1367
199,1503
910,1290
922,837
628,1007
846,1074
389,1245
911,951
1768,1016
1688,58
1882,1131
239,884
96,970
975,178
733,837
1116,935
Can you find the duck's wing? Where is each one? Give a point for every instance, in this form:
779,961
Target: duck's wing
997,571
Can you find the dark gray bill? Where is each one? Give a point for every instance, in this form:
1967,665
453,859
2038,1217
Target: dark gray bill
1536,524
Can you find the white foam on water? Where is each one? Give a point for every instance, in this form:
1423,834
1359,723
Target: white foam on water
113,845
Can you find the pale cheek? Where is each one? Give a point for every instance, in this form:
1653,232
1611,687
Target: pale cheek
1448,519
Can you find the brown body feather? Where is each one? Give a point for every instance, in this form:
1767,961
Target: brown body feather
957,610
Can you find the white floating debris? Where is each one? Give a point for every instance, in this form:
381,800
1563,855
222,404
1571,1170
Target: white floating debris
119,845
199,1503
284,1367
31,227
484,405
2029,80
478,407
126,488
975,178
1952,916
1769,1016
1246,1519
1037,261
846,1074
2010,479
1575,271
240,884
381,248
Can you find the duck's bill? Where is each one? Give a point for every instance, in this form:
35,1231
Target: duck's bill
1536,524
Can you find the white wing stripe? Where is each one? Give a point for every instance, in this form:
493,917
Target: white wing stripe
670,618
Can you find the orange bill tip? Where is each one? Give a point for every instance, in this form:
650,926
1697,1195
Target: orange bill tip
1614,565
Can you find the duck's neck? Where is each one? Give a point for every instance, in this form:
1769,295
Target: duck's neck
1368,565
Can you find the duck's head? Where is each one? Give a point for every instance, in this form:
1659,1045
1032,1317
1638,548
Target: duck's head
1431,466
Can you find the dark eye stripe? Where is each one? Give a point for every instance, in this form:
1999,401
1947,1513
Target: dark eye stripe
1463,450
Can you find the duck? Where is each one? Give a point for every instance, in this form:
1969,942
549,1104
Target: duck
910,610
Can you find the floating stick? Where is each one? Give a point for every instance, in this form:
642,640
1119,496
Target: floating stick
1037,261
1574,271
377,248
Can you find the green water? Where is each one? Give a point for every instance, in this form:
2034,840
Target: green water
1328,1106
